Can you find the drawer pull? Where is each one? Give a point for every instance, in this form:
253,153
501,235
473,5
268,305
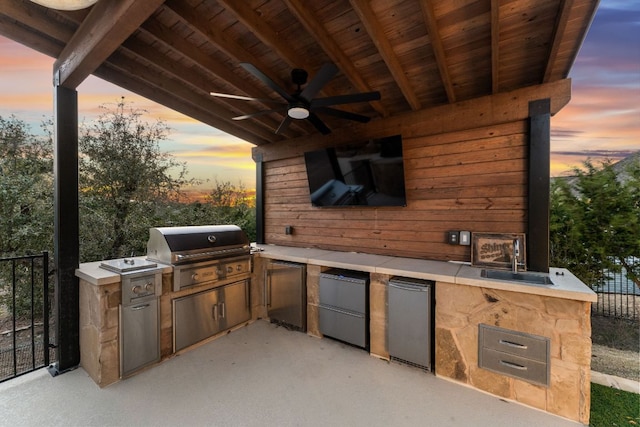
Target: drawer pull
513,344
513,365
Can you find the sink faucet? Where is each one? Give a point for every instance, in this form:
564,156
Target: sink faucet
516,254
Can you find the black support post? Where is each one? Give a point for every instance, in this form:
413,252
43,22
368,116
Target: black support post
66,229
539,181
259,199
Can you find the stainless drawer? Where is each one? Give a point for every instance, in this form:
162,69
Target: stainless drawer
344,291
514,366
343,325
514,342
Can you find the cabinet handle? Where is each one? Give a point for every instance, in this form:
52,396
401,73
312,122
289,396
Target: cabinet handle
513,344
222,310
247,295
513,365
264,294
214,311
140,307
267,291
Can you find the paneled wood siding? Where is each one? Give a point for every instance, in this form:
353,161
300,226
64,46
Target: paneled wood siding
471,180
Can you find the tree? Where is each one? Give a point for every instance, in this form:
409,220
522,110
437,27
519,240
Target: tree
595,221
26,196
233,205
124,177
26,209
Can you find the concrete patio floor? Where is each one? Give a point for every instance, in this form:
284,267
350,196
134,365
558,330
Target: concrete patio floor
262,375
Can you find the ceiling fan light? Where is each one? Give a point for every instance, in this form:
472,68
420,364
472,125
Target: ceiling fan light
298,113
65,4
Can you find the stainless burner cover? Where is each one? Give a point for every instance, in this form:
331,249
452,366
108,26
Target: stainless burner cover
127,265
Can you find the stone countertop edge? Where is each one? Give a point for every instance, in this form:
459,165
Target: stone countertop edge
92,273
565,284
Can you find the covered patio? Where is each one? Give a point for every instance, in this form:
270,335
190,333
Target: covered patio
263,375
469,88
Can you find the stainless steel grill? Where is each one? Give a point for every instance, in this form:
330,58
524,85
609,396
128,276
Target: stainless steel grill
200,254
179,245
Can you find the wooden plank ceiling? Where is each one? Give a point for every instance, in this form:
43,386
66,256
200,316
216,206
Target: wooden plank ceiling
416,53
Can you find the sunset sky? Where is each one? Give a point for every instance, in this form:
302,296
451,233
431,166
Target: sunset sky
601,121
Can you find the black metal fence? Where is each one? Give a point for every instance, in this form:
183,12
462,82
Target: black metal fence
617,297
24,314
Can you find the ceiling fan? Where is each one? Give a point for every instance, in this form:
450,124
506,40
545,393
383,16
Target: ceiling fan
301,104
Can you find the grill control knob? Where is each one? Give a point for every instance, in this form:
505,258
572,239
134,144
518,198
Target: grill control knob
195,277
149,287
239,267
219,272
137,289
229,269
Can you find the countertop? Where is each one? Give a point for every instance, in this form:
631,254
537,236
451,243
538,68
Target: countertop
92,272
565,284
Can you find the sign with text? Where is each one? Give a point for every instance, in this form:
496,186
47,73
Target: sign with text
496,250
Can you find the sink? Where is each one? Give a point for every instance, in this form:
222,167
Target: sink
530,278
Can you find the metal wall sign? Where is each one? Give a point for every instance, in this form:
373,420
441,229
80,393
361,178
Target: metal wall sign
496,250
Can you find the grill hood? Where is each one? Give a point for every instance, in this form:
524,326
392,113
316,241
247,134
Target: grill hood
177,245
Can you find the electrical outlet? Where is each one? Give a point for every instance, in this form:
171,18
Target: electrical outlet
453,237
465,238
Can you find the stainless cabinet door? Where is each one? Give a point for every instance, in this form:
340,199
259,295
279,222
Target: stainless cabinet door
410,323
286,293
195,317
139,336
235,305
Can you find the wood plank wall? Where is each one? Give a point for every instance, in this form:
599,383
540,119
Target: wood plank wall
471,180
465,169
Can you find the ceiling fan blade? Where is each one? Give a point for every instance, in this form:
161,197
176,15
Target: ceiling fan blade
323,76
345,99
343,114
260,113
319,124
266,80
283,125
243,98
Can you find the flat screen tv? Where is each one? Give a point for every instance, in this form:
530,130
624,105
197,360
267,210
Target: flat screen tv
365,173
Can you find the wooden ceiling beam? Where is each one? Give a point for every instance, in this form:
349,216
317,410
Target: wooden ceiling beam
26,36
186,94
495,46
229,47
300,9
140,86
33,16
196,80
108,24
379,38
217,37
438,49
245,14
558,31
